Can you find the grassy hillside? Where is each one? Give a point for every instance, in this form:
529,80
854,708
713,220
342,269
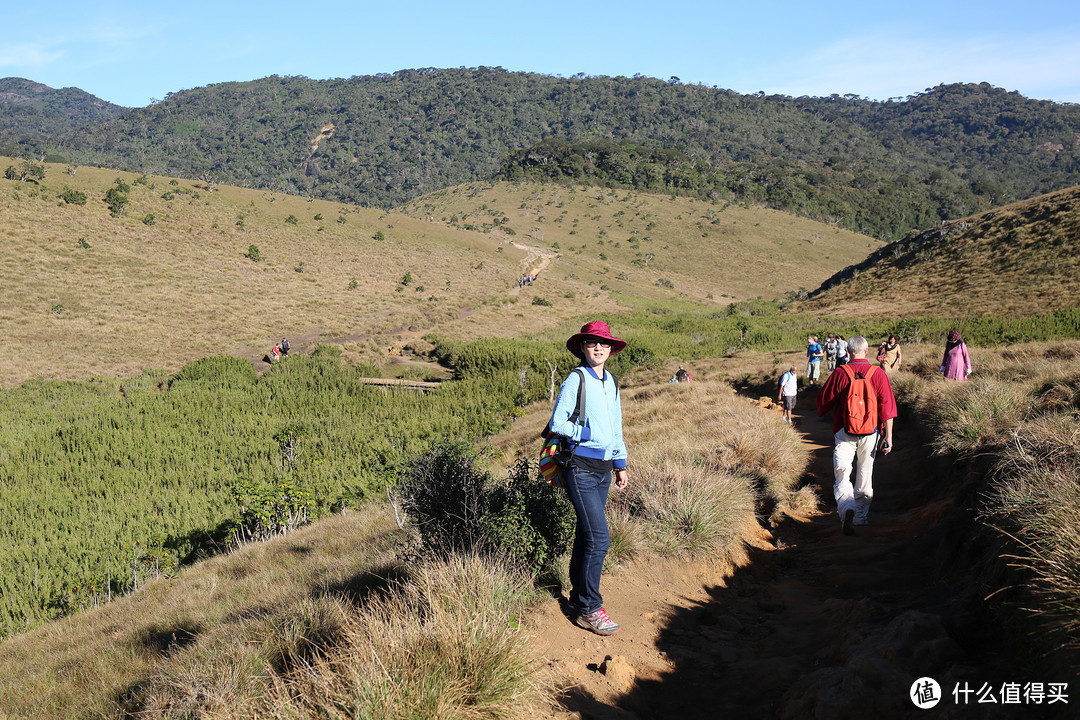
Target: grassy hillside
247,634
170,280
1015,261
650,245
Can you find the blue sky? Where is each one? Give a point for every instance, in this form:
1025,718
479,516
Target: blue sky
130,53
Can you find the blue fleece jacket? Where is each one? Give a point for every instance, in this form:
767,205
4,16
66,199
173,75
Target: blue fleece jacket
598,430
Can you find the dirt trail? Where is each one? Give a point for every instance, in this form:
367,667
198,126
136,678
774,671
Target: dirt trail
816,625
545,255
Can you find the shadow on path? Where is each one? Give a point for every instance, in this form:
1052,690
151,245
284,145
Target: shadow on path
828,626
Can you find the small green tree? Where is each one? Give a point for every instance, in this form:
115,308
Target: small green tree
290,440
267,511
31,170
116,200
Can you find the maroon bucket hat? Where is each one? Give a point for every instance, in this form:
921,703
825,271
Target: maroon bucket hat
595,329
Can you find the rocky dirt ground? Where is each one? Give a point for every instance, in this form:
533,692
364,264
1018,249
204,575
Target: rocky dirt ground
816,624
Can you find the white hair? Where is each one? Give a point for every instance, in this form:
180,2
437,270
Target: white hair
857,345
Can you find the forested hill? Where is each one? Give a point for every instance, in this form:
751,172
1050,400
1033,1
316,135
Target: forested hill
31,114
884,168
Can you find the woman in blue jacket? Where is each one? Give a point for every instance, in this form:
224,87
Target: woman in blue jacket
598,453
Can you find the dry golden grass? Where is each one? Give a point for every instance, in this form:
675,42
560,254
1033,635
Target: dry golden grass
1015,261
210,617
1019,411
698,431
157,296
712,253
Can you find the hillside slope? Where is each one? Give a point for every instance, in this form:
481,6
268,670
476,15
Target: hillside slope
882,168
172,279
650,245
31,114
1015,261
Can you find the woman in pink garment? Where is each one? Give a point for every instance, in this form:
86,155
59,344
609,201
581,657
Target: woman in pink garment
956,365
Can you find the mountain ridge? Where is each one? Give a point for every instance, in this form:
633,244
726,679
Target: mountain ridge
881,168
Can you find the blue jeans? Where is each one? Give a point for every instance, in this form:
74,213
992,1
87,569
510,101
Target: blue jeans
588,493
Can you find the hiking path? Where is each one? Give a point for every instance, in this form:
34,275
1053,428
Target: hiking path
816,625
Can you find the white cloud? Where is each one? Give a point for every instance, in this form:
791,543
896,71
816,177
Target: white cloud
28,55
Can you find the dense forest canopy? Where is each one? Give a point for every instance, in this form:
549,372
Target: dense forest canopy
884,168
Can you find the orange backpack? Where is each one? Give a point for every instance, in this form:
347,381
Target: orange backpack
861,417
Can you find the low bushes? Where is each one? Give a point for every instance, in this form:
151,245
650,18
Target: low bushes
456,507
1020,410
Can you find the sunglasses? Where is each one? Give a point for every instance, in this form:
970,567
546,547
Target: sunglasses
593,342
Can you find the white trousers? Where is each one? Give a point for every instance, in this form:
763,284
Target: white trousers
857,450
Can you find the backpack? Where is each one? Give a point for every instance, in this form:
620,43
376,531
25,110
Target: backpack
861,417
882,354
555,455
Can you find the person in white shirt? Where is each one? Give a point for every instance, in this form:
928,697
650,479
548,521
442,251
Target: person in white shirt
789,391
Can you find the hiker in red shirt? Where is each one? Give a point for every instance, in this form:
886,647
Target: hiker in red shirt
862,401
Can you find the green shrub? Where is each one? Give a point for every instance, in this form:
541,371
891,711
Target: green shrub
149,219
457,508
527,520
116,200
291,220
443,494
253,253
268,510
73,197
537,300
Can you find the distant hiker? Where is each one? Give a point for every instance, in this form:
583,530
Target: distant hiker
889,356
862,401
830,352
814,353
284,346
598,453
788,392
956,364
681,375
841,351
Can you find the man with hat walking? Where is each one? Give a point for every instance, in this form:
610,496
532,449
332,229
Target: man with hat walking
598,453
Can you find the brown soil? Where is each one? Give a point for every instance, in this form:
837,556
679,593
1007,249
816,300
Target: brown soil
816,624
